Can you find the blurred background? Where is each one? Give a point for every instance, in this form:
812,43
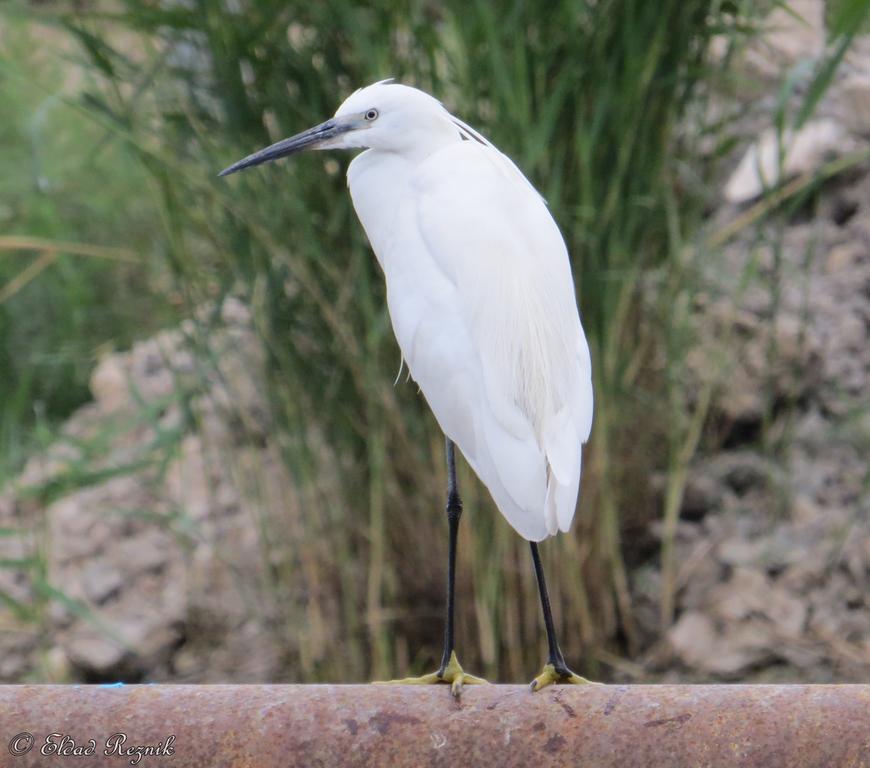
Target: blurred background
207,472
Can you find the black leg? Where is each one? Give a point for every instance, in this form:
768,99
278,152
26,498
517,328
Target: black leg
556,657
454,512
450,671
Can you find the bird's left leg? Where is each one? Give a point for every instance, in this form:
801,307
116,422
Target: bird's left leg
555,670
450,670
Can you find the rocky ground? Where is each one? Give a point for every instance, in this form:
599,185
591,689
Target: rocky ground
142,530
145,512
773,543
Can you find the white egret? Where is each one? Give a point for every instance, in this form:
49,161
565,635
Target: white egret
482,303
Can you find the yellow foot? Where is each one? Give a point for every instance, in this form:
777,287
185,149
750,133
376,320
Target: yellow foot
550,675
453,674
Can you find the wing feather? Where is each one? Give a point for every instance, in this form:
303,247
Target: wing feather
494,240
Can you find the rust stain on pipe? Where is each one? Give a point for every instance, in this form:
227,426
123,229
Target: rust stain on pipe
262,726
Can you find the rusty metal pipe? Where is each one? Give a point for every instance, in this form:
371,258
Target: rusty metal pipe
277,726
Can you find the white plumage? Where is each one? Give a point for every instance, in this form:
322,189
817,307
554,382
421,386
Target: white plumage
480,296
479,290
482,303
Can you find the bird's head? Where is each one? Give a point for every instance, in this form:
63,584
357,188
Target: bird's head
385,115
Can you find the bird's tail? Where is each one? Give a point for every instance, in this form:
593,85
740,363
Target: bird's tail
563,448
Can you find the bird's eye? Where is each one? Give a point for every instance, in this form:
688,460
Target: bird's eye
372,114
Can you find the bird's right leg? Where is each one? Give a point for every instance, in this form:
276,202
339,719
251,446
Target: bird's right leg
450,670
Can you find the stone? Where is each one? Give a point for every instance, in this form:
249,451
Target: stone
57,666
803,152
693,638
742,595
95,653
855,91
147,551
786,611
697,643
703,494
101,581
788,36
110,384
739,551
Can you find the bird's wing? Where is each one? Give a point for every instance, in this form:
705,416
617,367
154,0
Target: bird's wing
494,338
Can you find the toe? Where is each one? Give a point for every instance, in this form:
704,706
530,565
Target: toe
577,680
550,675
429,679
547,677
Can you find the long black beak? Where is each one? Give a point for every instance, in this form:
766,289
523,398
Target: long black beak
309,139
